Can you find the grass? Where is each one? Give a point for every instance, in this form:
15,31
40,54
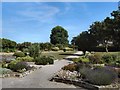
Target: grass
103,53
58,54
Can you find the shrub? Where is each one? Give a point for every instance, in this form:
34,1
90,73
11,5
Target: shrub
27,59
99,76
19,54
12,64
43,60
81,60
108,58
60,46
70,67
18,66
67,49
34,50
50,59
5,71
95,58
76,60
55,49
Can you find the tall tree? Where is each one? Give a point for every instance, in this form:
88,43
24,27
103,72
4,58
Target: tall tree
85,42
116,28
59,36
8,44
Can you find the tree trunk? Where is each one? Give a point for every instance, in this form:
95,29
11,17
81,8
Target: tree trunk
106,48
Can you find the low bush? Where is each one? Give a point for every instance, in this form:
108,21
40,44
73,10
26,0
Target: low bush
70,67
108,58
67,49
5,71
95,58
81,60
19,54
43,60
17,66
50,59
55,49
27,59
99,76
60,46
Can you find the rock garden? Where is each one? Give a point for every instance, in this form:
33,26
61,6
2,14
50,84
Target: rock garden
92,71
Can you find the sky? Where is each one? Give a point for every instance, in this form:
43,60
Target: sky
33,21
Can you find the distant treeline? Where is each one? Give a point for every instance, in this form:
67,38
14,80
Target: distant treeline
11,46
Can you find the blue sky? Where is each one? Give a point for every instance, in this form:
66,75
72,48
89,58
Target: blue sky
33,21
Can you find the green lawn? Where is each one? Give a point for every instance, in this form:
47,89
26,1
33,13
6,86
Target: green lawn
102,53
58,55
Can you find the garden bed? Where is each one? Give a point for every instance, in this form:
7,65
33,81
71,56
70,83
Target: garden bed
84,84
20,75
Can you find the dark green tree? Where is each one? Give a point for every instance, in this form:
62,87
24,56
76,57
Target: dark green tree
59,36
8,45
23,45
116,28
85,42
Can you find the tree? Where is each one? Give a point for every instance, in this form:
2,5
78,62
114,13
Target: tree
8,45
116,28
84,41
59,36
102,32
23,45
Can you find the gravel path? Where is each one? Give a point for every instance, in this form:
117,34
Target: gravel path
39,78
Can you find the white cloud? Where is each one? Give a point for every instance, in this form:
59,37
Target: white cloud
38,12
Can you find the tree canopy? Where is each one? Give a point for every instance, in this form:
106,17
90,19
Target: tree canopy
59,36
106,33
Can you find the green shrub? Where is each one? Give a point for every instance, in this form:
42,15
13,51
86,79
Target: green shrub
95,58
99,76
18,66
19,54
27,59
43,60
76,60
5,71
50,59
55,49
108,58
67,49
70,67
12,64
60,46
34,50
81,60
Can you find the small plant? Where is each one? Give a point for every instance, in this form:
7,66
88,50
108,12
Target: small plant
18,66
50,59
55,49
27,59
81,60
5,71
70,67
67,49
108,58
95,58
19,54
43,60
